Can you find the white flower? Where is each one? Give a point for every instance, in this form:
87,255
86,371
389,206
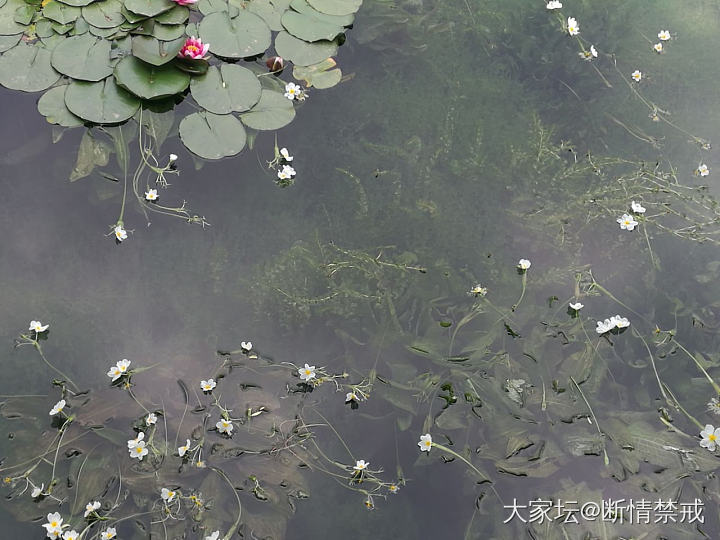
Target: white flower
151,195
554,4
663,35
246,345
604,326
627,222
593,51
213,536
658,47
173,157
524,264
59,406
167,495
478,290
285,154
108,534
620,322
120,233
91,507
713,406
292,90
703,170
54,524
38,327
138,451
637,207
709,438
208,385
636,75
351,396
288,170
37,491
119,369
361,465
425,443
307,373
182,450
70,535
572,26
132,443
393,488
225,426
151,419
590,54
577,306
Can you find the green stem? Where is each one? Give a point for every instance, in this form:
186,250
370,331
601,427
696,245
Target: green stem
597,425
469,464
707,375
522,294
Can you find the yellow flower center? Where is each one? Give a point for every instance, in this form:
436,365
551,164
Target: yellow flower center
712,437
138,449
193,49
53,524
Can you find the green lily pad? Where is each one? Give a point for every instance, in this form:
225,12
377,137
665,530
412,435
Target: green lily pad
271,11
273,111
230,88
336,7
76,3
61,13
321,75
100,102
132,17
302,6
168,32
8,25
52,106
8,42
81,27
149,7
207,7
302,53
309,28
245,35
83,57
104,14
103,32
27,68
24,14
156,52
44,29
177,15
60,29
148,81
212,136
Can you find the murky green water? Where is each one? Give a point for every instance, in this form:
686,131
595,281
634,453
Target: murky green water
466,136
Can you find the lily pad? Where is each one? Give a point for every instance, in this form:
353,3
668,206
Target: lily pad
336,7
148,81
8,42
302,53
104,32
52,106
177,15
100,102
61,13
230,88
155,52
27,68
309,28
212,136
245,35
24,14
271,11
83,57
302,6
76,3
273,111
321,75
104,14
149,7
168,32
207,7
8,25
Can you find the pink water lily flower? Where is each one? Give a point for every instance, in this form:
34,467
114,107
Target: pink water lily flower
184,2
194,49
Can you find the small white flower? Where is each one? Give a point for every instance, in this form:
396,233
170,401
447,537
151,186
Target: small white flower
138,451
167,495
288,170
91,507
54,524
246,345
151,419
658,47
627,222
593,51
604,326
572,26
637,207
393,488
713,406
636,75
589,54
709,438
182,450
285,154
173,157
282,175
620,322
108,534
59,406
577,306
213,536
132,443
554,4
292,91
37,491
307,373
151,195
118,370
663,35
524,264
120,233
703,170
70,535
425,443
208,385
224,426
38,327
351,396
361,465
478,290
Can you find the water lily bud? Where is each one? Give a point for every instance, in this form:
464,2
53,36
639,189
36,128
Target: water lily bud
275,63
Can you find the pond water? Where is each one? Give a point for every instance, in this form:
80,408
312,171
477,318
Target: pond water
464,137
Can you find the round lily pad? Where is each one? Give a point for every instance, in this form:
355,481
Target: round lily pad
168,32
83,57
336,7
76,3
230,88
100,102
273,111
27,68
52,106
302,6
302,53
8,25
177,15
61,13
245,35
309,28
148,81
156,52
212,136
8,42
149,7
270,11
104,14
322,75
